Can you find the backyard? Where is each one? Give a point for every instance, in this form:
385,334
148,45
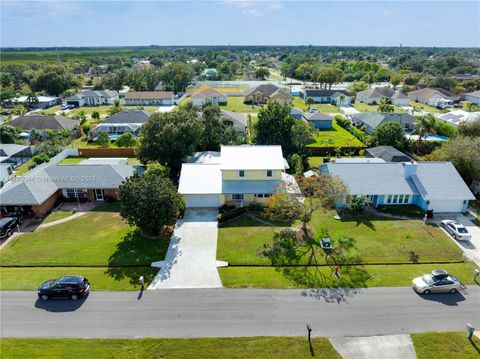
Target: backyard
363,107
335,137
322,107
391,252
103,110
427,108
100,239
132,161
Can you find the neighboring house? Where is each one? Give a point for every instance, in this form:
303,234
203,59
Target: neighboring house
371,120
143,64
149,98
44,122
210,73
387,154
236,175
436,97
6,173
473,97
208,95
433,186
36,101
319,120
14,154
93,98
266,92
121,122
239,120
296,113
335,97
39,190
455,117
400,99
374,95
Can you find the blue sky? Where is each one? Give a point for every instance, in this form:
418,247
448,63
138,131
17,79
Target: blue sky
239,22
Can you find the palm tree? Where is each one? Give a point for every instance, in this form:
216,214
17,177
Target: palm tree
116,107
385,106
309,101
415,109
427,125
341,98
358,204
468,106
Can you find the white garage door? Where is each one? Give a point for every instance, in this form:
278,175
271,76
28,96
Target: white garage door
202,200
446,205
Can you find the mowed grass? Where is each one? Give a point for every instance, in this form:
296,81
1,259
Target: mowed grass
449,345
335,137
373,275
23,168
56,215
100,237
211,348
132,161
101,278
315,161
235,103
378,240
363,107
427,108
323,107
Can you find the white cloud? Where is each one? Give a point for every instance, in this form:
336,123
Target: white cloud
254,8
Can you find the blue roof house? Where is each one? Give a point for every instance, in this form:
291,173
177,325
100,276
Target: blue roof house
433,186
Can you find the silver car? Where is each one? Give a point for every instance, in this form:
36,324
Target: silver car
456,230
438,281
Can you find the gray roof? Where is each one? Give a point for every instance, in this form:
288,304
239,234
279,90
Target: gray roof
388,153
296,111
232,187
318,116
38,185
377,92
239,120
268,90
322,93
432,180
93,93
44,122
10,149
374,119
128,116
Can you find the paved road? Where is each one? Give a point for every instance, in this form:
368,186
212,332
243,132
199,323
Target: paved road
238,312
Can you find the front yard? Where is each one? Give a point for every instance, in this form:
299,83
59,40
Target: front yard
322,107
100,239
391,252
336,137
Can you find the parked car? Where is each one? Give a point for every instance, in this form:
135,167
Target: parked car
438,281
8,225
72,286
457,230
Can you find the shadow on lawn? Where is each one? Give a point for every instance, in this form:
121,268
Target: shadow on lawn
134,255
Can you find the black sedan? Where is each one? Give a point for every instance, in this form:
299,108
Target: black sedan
8,225
71,286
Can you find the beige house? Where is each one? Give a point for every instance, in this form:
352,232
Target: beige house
149,98
209,95
266,92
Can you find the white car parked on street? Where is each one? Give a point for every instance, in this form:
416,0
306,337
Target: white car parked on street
457,230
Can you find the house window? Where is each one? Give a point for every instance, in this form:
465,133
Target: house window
389,198
269,173
406,198
241,173
237,197
395,199
400,198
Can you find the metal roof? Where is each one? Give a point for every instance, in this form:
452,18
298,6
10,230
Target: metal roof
196,178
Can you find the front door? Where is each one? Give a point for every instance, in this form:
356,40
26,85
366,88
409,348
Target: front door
99,194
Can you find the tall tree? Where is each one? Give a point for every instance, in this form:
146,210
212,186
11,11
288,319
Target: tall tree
388,134
425,126
217,131
176,76
385,106
262,73
54,80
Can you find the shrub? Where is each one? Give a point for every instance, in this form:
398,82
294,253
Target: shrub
342,121
233,213
40,158
226,207
255,207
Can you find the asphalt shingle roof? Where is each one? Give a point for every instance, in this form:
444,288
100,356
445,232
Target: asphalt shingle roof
128,116
44,122
10,149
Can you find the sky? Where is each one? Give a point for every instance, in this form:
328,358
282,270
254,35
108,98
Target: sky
47,23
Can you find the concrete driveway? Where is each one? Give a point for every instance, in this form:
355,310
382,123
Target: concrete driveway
386,346
349,110
471,248
190,261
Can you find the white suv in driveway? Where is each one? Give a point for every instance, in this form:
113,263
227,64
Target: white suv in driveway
457,230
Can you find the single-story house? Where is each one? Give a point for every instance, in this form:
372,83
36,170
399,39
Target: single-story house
266,92
15,154
374,95
208,95
371,120
455,117
473,97
335,97
35,101
433,186
210,73
236,175
93,98
41,188
319,120
436,97
239,120
121,122
44,122
296,113
149,98
387,154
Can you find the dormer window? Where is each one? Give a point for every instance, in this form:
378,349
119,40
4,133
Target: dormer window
269,173
241,173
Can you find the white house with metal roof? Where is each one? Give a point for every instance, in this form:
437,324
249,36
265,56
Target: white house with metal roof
237,174
433,186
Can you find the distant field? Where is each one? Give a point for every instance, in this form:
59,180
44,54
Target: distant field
221,89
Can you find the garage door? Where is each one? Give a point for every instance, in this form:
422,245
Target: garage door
202,200
446,205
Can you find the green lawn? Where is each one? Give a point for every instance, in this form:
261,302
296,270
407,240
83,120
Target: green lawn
100,237
235,103
132,161
378,240
199,348
56,215
356,276
101,278
336,137
52,110
363,107
323,107
450,345
23,168
427,108
315,161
